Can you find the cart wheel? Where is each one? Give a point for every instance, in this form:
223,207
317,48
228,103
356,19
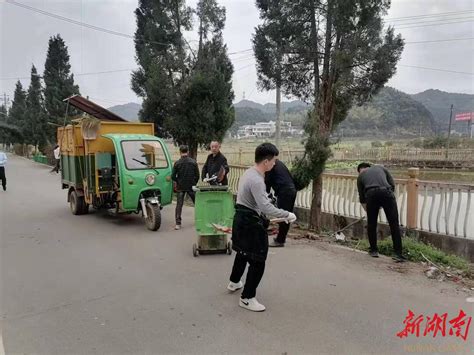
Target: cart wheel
229,248
195,250
153,220
78,204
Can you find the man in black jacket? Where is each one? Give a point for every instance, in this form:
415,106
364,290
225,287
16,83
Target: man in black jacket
216,165
185,175
280,180
376,187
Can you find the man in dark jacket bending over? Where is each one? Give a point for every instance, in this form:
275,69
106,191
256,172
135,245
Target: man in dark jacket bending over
249,229
376,187
216,165
185,175
280,180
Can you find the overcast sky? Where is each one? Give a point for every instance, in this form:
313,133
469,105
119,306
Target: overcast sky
24,38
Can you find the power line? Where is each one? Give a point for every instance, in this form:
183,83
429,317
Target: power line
83,24
101,29
242,51
434,24
434,21
442,40
244,67
78,74
436,69
243,59
429,15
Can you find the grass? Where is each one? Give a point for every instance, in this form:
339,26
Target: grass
414,249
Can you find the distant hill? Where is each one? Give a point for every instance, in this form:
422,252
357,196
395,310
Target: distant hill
389,113
439,102
270,108
128,111
249,104
286,106
249,112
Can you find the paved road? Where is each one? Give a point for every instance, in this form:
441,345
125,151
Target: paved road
101,285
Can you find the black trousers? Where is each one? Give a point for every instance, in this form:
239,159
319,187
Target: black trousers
180,195
286,201
3,177
254,274
57,166
383,198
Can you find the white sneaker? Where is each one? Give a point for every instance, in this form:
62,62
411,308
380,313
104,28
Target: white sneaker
232,286
251,304
177,227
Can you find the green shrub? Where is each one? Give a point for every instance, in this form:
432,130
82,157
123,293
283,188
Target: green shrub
414,249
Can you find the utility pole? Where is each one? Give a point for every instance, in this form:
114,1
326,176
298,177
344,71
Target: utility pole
449,130
470,127
5,100
278,117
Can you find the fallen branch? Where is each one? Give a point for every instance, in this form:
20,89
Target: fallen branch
228,230
432,263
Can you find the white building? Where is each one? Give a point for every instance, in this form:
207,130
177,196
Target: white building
264,129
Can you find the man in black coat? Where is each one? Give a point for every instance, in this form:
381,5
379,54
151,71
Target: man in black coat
216,165
376,187
280,180
185,175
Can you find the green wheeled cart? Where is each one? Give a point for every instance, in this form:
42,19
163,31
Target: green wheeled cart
214,206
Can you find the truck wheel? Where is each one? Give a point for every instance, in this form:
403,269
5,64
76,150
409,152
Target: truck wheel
78,204
195,250
153,221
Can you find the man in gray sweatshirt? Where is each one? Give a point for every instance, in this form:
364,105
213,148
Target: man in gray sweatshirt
249,229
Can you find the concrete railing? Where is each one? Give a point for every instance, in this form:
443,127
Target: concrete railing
246,156
442,208
404,154
445,208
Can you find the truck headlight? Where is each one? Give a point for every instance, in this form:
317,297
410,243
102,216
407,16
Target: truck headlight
150,179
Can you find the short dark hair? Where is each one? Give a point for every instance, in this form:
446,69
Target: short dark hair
363,166
265,151
183,149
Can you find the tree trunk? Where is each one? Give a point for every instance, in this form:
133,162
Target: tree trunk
316,211
278,117
324,112
193,148
314,41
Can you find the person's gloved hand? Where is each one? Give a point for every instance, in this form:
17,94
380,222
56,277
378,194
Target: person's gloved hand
291,217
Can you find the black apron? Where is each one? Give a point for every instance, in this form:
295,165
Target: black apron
249,233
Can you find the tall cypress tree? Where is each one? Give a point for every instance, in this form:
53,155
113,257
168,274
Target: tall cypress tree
188,95
268,49
205,112
3,124
35,126
161,57
59,83
17,113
